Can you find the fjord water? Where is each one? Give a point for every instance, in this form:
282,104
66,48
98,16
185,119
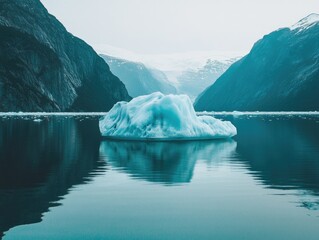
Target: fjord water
60,180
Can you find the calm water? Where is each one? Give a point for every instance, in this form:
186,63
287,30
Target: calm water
59,180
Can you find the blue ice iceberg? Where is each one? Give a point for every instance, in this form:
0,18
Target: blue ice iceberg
162,117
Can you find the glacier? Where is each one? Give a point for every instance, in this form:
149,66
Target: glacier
162,117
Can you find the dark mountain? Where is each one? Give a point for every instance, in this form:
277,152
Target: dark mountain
45,68
281,73
139,79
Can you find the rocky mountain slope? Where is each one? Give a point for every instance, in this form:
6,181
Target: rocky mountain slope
281,73
45,68
139,79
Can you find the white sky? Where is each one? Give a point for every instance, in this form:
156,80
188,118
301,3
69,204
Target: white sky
172,26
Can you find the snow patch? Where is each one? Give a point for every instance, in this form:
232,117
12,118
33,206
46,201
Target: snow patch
37,120
306,22
162,117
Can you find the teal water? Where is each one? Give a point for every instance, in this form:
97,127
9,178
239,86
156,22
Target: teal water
60,180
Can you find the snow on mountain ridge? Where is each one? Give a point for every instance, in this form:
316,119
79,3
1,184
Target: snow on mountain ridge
306,22
170,62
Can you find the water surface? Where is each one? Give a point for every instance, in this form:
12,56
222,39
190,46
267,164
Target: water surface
60,180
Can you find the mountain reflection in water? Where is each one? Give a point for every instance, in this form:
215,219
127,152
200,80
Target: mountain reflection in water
42,162
282,152
39,163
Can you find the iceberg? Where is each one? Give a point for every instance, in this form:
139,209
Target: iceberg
162,117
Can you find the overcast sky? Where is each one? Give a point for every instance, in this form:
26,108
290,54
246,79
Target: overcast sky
170,26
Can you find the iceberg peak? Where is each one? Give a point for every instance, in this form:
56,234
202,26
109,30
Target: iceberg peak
306,22
162,117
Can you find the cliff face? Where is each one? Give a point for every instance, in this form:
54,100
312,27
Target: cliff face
45,68
281,73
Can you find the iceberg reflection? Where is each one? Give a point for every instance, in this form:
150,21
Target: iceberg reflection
163,162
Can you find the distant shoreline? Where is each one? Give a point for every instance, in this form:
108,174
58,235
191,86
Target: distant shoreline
2,114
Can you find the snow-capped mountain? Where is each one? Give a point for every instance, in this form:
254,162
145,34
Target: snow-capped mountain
193,82
281,73
167,62
139,79
190,73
